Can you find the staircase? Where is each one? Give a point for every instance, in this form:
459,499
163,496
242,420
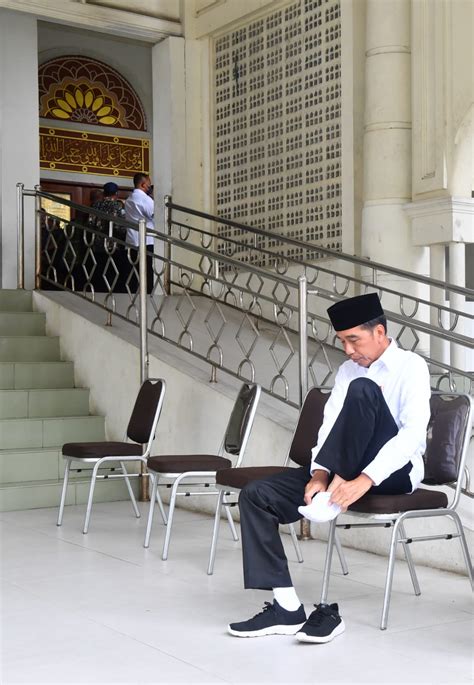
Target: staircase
40,410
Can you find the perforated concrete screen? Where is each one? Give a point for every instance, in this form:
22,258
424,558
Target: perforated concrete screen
278,126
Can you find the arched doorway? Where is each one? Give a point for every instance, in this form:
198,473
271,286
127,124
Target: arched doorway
90,116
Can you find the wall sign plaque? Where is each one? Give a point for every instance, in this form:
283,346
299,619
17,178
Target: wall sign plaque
93,153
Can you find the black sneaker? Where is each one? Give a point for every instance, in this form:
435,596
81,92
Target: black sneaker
322,625
273,620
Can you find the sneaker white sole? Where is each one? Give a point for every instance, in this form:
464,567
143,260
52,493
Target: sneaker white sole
303,637
271,630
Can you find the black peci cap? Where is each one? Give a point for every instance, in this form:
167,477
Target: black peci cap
110,188
355,311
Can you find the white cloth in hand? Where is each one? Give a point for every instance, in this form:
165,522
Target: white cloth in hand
320,509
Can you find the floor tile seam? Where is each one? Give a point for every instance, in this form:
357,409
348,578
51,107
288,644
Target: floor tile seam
47,534
340,575
20,566
80,609
52,536
443,622
28,591
82,613
156,649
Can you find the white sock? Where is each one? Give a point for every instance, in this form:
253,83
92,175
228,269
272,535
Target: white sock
287,598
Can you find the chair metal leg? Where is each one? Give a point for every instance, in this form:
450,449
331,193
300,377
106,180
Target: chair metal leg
90,498
130,490
389,579
151,510
296,543
409,559
231,522
465,549
171,508
64,492
164,518
340,552
215,533
327,563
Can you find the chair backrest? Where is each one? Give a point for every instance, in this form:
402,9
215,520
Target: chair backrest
307,428
447,438
241,420
146,412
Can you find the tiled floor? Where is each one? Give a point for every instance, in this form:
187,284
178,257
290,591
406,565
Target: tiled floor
101,609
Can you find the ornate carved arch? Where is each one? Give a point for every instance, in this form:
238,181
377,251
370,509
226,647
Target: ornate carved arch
81,89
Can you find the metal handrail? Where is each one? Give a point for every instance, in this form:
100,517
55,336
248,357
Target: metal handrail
333,254
228,281
321,269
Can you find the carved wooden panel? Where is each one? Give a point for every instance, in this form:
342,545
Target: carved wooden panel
84,90
92,153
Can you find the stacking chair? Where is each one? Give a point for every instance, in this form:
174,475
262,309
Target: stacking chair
140,434
448,435
230,481
182,470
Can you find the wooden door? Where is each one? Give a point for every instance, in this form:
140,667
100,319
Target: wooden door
83,193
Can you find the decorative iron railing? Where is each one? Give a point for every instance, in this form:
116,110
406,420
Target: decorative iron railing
257,313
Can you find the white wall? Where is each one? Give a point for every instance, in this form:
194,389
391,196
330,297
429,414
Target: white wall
19,145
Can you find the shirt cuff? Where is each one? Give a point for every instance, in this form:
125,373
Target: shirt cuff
318,467
371,472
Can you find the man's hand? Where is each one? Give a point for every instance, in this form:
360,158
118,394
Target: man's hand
350,491
318,483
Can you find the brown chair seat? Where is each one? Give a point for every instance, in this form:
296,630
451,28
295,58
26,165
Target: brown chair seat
83,450
237,478
394,504
180,463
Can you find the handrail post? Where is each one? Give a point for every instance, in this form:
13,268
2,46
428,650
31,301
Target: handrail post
20,264
142,258
167,246
37,237
303,336
143,301
305,526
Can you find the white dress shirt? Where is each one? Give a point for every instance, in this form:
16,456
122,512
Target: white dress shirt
138,206
405,383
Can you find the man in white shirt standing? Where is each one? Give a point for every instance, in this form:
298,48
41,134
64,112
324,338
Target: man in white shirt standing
373,438
139,205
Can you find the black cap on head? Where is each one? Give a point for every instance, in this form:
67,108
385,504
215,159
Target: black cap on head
110,188
355,311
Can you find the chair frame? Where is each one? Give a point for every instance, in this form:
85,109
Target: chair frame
221,502
175,480
103,462
396,522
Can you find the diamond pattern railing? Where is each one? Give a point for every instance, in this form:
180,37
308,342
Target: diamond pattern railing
240,317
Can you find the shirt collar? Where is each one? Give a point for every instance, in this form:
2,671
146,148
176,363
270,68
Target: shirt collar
390,357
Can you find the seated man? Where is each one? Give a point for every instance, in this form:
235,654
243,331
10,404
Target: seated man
373,438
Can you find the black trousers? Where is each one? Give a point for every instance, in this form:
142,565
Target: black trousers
363,426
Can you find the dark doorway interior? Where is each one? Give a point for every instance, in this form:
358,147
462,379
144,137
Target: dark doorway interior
83,194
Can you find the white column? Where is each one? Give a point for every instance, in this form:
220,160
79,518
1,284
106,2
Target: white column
19,137
168,76
177,148
439,349
387,143
443,130
457,276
